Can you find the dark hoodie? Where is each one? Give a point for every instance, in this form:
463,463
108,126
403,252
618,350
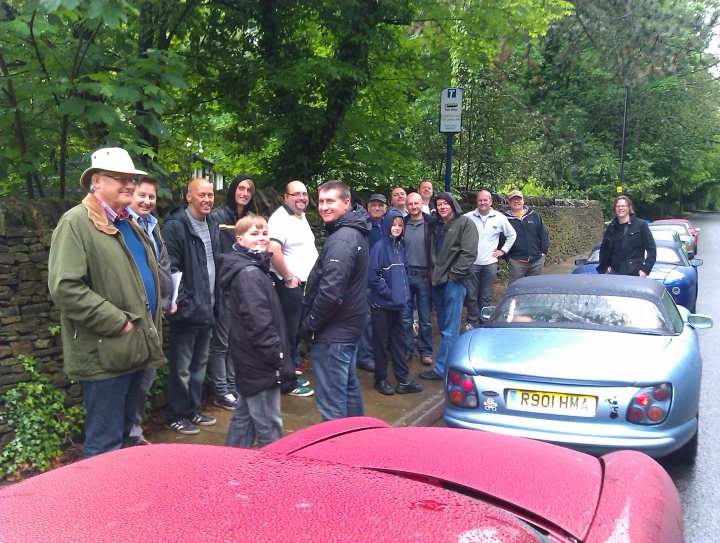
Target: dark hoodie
222,220
226,216
453,246
387,275
335,305
258,339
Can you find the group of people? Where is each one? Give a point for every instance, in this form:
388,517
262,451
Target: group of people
242,292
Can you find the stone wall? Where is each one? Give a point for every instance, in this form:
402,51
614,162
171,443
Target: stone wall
28,319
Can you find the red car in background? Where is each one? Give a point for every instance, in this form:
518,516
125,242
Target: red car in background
694,231
350,480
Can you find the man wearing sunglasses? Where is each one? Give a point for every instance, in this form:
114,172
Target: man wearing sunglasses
103,276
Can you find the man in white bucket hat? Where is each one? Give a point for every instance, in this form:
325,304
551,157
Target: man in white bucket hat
103,276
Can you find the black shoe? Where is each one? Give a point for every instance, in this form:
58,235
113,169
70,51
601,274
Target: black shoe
203,420
367,366
430,375
408,387
183,426
383,387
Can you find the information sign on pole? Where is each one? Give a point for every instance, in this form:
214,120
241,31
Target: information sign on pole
451,110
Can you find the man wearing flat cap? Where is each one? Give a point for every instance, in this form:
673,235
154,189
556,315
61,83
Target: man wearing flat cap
376,208
527,255
103,277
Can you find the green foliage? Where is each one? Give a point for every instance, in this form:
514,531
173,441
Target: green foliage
350,89
35,411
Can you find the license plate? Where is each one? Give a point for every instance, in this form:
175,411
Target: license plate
553,403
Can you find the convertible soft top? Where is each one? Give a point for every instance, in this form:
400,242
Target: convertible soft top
607,285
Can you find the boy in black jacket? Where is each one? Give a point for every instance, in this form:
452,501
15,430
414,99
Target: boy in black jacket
258,340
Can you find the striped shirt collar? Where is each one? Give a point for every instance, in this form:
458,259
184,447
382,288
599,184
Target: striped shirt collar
111,214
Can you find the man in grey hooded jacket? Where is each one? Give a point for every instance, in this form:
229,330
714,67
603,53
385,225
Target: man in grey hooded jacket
453,249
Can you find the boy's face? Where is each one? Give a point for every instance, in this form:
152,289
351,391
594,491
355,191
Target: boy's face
255,238
396,229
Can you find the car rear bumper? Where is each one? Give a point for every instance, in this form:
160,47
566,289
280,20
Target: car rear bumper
655,444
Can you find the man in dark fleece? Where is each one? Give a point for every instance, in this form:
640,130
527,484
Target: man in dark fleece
335,305
238,204
453,249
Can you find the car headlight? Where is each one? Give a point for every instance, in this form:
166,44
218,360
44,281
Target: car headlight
650,405
674,277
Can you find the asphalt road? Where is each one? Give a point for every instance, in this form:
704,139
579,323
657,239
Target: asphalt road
699,485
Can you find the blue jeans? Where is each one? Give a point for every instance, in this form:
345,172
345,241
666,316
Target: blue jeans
222,368
256,417
146,382
480,283
420,301
448,300
336,386
187,354
110,407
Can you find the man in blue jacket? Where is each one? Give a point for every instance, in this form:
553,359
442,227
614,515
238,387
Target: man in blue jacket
335,305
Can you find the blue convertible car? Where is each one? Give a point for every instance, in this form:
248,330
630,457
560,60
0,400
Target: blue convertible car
593,362
672,269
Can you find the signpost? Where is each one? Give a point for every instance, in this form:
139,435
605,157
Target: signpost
450,123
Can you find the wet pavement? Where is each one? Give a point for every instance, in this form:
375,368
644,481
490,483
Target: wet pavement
418,409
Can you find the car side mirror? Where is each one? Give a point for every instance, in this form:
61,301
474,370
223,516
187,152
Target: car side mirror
700,322
695,262
487,311
581,261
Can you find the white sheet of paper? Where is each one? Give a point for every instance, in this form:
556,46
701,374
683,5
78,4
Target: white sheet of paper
176,278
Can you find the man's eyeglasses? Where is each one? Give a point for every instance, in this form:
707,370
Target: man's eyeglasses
122,178
297,194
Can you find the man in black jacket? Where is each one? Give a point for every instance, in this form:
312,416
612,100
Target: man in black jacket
335,306
258,339
527,255
191,245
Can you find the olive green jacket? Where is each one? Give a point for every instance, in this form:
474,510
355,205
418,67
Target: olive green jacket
97,288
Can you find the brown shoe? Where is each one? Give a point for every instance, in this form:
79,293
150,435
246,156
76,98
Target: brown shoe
408,357
426,360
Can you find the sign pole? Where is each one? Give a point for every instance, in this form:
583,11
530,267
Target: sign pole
448,161
450,123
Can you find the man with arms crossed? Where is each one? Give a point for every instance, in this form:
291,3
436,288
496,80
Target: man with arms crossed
292,244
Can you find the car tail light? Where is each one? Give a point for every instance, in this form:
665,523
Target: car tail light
461,389
650,405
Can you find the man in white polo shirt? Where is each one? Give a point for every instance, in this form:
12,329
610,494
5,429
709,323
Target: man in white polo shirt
292,244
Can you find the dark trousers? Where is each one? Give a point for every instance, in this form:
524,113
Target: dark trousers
388,329
110,407
291,300
187,358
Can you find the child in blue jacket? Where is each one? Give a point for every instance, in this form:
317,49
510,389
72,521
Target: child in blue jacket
389,295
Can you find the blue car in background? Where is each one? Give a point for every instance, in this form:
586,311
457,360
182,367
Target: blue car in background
672,269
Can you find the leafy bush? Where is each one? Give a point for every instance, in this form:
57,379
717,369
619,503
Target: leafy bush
35,411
